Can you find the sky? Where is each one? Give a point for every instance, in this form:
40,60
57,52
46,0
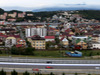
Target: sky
33,4
44,3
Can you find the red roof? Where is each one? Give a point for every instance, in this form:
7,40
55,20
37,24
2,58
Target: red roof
49,37
19,45
68,30
16,36
3,35
62,38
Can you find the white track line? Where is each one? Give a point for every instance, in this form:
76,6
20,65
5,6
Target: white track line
43,64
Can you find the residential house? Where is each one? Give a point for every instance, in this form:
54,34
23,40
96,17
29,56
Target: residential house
95,45
11,19
37,42
10,41
21,42
64,42
1,42
3,37
21,15
2,17
13,15
80,41
95,38
2,22
7,30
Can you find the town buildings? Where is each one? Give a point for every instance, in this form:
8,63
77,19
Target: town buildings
37,42
42,32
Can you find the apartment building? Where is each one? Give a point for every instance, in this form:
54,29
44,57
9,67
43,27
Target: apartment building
42,32
37,42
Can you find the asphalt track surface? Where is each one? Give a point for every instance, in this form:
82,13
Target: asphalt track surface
54,61
55,66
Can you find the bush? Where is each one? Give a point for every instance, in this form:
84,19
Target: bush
22,51
14,72
26,73
51,73
76,74
2,72
63,73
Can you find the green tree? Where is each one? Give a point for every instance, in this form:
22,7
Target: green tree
2,72
76,34
63,73
14,50
14,72
76,73
26,73
98,53
57,40
73,30
37,73
51,73
1,11
89,74
29,51
91,53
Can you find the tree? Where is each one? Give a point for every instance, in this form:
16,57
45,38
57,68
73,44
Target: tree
14,72
1,11
63,73
29,51
89,74
57,40
73,30
26,73
48,44
14,50
91,53
76,34
2,72
37,73
51,73
76,74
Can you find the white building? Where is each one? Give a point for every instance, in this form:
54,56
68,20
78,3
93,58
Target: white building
95,46
67,26
80,37
35,31
10,41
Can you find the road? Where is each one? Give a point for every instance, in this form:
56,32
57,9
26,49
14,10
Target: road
45,60
43,65
57,68
43,23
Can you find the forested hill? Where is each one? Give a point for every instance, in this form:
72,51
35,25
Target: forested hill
90,14
1,11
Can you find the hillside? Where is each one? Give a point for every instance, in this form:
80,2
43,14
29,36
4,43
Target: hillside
90,14
1,11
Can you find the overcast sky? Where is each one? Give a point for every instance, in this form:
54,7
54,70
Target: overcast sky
44,3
